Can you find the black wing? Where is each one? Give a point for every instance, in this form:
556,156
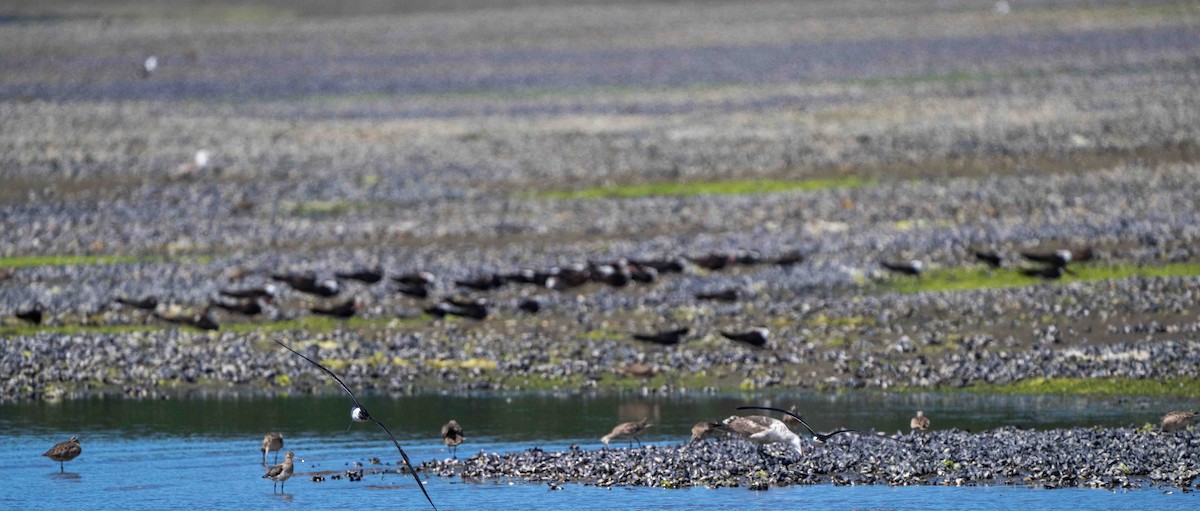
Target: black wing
411,470
323,368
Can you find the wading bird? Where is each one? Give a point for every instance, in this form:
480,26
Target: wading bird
452,436
920,422
1176,420
359,414
271,442
627,431
64,451
818,437
281,472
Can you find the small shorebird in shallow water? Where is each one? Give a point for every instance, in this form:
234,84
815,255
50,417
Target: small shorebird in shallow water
818,437
913,267
920,422
359,414
272,441
666,338
281,472
627,431
755,336
1176,420
64,451
452,435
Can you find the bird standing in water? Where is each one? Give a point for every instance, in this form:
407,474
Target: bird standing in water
452,435
64,451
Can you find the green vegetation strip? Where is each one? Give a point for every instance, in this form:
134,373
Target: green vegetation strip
306,323
1177,387
686,189
72,260
959,279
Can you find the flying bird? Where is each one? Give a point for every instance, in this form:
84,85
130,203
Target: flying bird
359,414
667,338
819,437
755,336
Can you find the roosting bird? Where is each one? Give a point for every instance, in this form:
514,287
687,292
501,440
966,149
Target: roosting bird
252,307
308,283
358,413
344,310
989,258
725,295
667,338
147,303
268,291
1057,258
1046,272
1176,420
369,276
756,336
913,267
33,314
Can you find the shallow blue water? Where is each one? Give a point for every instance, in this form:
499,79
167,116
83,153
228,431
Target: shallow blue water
204,454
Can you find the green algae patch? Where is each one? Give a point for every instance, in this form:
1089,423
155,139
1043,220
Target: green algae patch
82,260
961,279
18,331
471,363
693,188
1177,387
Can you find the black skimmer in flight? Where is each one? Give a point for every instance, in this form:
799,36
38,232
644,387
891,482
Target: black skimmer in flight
819,437
452,436
308,283
344,310
913,267
756,336
358,413
627,431
666,338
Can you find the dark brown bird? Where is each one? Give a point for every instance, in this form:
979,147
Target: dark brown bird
202,320
147,303
666,338
1046,272
281,472
789,259
420,292
714,261
495,281
64,451
344,310
369,276
530,305
667,265
33,314
989,258
706,429
1057,258
756,336
725,295
251,307
643,274
308,283
452,436
420,278
627,431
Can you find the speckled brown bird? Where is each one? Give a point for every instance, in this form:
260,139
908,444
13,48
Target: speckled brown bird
1176,420
64,451
281,472
452,436
627,431
920,422
272,441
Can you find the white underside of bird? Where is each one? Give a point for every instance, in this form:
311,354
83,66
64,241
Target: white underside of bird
763,430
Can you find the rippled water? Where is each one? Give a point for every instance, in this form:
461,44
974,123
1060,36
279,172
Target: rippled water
203,453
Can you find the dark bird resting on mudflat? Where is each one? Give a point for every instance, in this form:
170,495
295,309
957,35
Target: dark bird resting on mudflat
252,307
147,303
359,414
989,258
1060,257
627,431
64,451
253,293
913,267
1046,272
667,338
488,283
33,314
714,261
308,283
755,336
344,310
368,276
452,436
725,295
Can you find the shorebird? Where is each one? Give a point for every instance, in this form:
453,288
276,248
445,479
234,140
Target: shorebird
1047,272
1056,258
252,307
920,422
761,430
627,431
725,295
420,292
149,66
530,305
271,442
344,310
706,429
33,314
756,336
267,292
64,451
452,435
495,281
665,338
418,279
369,276
667,265
308,283
281,472
817,437
190,169
639,370
1176,420
988,257
359,414
147,303
714,261
643,274
789,258
202,320
913,267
